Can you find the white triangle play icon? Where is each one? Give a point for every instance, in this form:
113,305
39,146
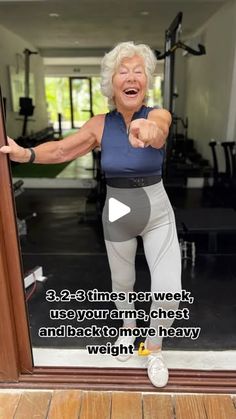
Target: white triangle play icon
116,209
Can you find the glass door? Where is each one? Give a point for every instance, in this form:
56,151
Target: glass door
58,102
80,100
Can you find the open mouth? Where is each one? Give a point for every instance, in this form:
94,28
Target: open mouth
131,92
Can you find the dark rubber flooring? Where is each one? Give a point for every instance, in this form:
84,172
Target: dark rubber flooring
71,251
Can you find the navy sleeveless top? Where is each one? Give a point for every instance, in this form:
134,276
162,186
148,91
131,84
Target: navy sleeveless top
119,158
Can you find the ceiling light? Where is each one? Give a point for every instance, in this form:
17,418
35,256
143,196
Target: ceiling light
54,15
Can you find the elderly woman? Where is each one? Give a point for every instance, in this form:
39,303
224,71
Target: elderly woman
132,138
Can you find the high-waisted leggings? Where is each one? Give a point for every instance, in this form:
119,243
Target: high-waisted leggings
162,253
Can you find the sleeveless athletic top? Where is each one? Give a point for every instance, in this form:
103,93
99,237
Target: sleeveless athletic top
119,158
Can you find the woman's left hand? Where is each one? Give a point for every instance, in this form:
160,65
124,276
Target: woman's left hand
144,132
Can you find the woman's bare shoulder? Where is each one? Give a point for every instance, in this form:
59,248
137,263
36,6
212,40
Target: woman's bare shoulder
99,119
97,125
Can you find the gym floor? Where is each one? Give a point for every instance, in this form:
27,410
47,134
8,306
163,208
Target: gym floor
66,240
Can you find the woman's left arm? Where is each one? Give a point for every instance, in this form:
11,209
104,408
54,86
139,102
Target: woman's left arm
162,118
152,131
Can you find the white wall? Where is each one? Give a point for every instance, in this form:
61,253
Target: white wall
10,48
71,71
209,80
79,70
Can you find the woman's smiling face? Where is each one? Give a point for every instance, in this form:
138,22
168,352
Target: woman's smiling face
130,84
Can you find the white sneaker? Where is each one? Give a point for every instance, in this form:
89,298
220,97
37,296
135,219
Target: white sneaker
157,370
126,341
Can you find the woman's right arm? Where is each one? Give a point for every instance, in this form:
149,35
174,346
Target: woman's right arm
84,140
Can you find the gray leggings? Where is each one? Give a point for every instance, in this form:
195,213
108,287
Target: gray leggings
162,254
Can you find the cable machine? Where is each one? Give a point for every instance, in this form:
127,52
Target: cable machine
26,102
172,43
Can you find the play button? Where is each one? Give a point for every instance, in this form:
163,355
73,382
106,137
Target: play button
116,209
126,213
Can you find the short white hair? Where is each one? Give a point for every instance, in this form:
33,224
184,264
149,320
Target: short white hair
113,59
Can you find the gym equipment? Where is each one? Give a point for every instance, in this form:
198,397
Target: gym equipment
97,195
211,222
27,110
184,125
17,189
35,274
188,250
185,161
224,182
59,116
216,177
21,223
26,102
232,149
228,170
208,221
172,43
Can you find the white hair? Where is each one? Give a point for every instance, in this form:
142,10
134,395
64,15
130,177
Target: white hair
113,59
